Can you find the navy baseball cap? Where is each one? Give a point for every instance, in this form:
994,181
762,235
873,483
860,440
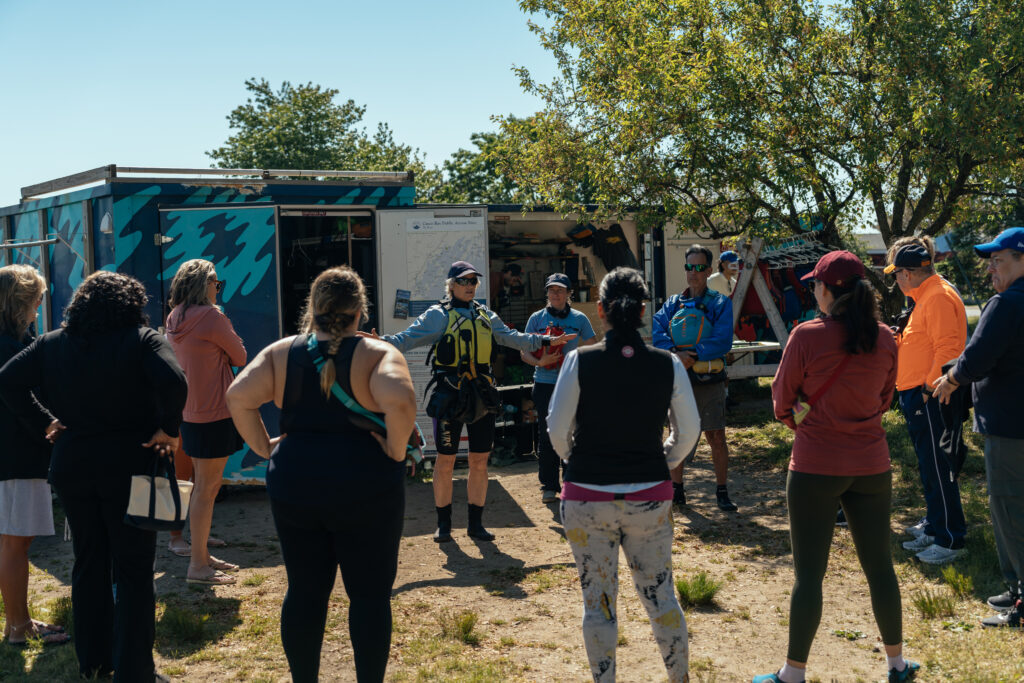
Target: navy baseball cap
462,269
557,280
909,256
1011,238
729,256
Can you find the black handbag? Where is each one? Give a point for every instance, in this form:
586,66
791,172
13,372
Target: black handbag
157,501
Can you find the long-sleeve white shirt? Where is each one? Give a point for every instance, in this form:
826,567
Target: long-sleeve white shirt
684,419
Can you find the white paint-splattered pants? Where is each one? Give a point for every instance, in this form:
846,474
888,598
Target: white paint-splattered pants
644,530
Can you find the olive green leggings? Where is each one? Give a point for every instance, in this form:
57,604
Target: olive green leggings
813,500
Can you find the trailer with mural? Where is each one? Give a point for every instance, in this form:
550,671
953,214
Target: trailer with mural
270,232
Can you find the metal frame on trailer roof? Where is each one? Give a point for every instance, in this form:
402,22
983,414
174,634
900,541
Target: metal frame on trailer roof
229,176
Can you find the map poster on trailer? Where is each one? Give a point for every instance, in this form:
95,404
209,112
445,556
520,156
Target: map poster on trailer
431,244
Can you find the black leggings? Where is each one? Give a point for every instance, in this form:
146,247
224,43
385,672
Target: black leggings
813,500
359,536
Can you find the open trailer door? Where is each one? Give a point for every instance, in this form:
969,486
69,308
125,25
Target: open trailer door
242,243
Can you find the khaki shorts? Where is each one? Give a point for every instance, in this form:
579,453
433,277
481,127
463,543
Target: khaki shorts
711,405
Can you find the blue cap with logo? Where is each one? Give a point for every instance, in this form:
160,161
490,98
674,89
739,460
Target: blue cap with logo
557,280
729,256
1011,238
462,269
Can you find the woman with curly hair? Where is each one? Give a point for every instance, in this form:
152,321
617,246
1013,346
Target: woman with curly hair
206,345
26,508
116,386
337,489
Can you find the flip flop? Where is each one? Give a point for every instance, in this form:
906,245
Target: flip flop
222,565
213,542
214,578
47,628
184,550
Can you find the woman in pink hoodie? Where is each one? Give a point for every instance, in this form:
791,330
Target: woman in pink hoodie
207,347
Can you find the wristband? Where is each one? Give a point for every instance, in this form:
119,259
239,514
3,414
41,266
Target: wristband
949,378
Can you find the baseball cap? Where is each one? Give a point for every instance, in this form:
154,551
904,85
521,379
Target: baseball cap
909,256
837,268
729,256
461,269
557,280
1011,238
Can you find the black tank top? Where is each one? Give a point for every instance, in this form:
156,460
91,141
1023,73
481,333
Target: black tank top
324,454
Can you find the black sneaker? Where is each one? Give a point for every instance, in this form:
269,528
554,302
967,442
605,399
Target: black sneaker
678,495
724,504
1011,618
841,518
1003,601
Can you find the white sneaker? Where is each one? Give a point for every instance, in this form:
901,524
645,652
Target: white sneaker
917,529
936,554
920,543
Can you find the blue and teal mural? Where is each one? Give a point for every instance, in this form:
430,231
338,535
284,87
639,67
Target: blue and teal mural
149,228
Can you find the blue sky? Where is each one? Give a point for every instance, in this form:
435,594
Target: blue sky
149,84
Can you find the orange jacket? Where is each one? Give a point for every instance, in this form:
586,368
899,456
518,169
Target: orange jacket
935,335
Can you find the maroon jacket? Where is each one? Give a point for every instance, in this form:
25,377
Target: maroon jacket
843,433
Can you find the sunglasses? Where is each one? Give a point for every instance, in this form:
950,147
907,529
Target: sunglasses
220,285
699,267
466,281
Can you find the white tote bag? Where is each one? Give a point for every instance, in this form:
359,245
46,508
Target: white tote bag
158,501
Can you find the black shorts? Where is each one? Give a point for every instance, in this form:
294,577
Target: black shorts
448,432
208,440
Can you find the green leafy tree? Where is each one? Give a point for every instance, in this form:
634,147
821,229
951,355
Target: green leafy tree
774,116
304,128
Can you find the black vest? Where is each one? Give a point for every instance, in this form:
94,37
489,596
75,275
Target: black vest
625,392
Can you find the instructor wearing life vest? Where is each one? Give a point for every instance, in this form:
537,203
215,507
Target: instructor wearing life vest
462,333
697,326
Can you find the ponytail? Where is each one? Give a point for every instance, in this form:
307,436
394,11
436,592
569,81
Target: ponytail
337,299
856,307
622,295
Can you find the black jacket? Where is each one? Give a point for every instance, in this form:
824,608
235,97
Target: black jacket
994,362
26,452
112,391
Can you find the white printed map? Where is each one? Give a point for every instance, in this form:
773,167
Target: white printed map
432,246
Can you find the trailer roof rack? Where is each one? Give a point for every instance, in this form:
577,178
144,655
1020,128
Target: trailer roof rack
228,176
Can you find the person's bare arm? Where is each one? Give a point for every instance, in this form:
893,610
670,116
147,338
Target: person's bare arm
255,385
546,358
392,391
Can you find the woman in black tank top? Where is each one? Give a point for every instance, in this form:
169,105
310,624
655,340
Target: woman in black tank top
334,484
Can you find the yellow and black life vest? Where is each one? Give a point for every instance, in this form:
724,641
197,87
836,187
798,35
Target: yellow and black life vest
466,342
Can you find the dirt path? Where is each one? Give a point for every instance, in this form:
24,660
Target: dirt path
523,589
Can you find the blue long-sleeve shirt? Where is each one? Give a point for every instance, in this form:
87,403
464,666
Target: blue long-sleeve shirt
428,329
718,311
994,361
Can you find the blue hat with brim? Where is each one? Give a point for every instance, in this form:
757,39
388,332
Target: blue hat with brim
462,269
1011,238
557,280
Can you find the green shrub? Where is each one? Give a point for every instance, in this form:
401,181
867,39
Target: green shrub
962,586
933,605
459,626
699,589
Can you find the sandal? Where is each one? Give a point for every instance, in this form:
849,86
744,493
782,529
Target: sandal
36,630
222,565
181,549
214,578
214,542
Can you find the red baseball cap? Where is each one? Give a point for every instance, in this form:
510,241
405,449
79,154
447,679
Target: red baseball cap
837,268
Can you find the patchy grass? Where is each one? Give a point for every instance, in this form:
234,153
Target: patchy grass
962,586
698,590
459,625
932,604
